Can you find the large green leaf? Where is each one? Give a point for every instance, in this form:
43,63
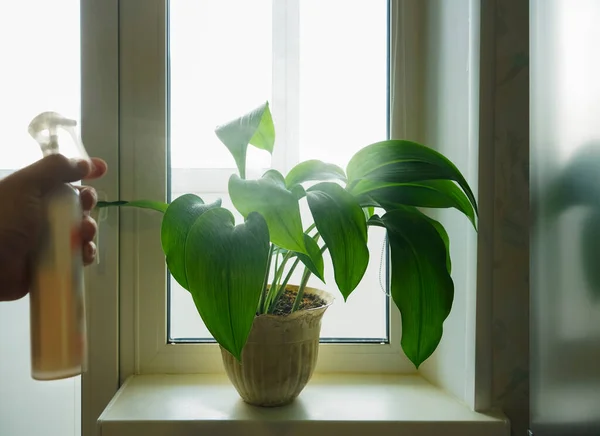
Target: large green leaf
421,285
444,235
176,224
376,221
158,206
225,268
255,128
341,223
313,261
425,193
269,197
398,161
314,170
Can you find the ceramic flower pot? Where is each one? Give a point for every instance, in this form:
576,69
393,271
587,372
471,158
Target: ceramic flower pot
280,355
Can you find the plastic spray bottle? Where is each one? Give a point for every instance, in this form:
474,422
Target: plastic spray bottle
57,303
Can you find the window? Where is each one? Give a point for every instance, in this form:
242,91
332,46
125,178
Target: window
328,94
203,65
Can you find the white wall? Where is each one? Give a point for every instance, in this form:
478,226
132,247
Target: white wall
442,43
450,94
29,407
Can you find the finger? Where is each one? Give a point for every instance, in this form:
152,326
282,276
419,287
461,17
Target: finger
88,197
89,253
88,229
53,170
99,168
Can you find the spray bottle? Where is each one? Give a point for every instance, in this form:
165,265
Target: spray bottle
57,305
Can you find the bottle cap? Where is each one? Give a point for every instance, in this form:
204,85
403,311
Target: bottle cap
57,134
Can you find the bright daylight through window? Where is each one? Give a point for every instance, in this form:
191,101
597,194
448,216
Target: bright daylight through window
328,93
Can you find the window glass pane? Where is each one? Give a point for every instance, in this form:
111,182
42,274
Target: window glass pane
343,77
341,82
343,107
220,54
39,45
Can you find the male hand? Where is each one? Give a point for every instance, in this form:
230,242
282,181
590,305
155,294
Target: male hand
22,216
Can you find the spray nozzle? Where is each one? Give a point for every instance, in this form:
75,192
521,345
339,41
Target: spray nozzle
50,129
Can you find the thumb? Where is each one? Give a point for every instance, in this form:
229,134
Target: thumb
53,170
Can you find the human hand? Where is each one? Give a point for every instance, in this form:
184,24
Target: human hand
22,216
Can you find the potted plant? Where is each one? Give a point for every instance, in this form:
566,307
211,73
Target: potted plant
238,275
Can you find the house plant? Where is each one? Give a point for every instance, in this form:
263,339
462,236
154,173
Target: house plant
239,276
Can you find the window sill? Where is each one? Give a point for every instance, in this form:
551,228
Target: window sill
174,405
348,405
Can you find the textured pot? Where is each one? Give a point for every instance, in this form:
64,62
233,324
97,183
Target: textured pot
280,356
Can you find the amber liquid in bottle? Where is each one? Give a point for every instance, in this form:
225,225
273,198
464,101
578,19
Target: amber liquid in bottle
58,336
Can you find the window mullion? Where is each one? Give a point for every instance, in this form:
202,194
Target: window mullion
286,75
292,41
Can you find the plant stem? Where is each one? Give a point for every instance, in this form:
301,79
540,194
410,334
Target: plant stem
277,276
271,307
281,290
312,226
300,293
263,294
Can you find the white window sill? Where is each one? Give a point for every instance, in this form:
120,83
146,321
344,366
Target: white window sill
348,405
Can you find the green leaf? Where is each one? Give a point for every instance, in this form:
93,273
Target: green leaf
314,170
314,261
275,176
298,191
444,235
158,206
426,193
255,128
341,222
376,221
225,268
369,211
421,285
176,224
398,161
269,197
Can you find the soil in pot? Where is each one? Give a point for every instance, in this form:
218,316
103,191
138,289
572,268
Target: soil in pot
286,302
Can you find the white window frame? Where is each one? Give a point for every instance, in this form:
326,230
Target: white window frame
121,302
100,133
117,303
143,174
